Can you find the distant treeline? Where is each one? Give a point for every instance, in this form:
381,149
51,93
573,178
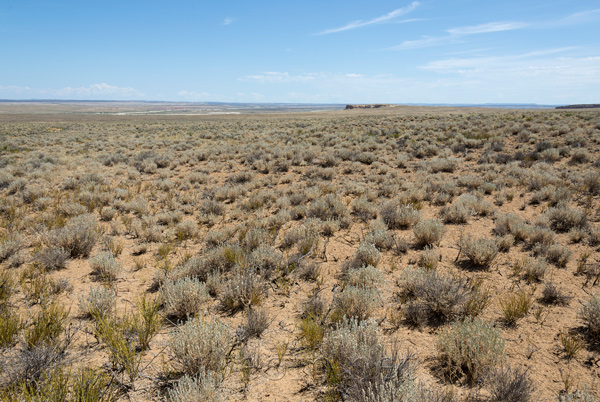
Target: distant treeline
589,106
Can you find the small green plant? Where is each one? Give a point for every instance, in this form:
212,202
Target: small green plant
571,344
312,331
121,345
93,385
281,348
46,326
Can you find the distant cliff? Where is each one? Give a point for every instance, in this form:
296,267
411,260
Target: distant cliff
588,106
374,106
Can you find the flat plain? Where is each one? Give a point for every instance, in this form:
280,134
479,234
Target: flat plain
412,253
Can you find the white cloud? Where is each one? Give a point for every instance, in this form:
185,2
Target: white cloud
426,41
378,20
552,72
272,77
194,96
229,21
100,89
93,91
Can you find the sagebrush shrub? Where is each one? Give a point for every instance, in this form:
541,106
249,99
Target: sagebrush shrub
205,387
399,216
428,232
78,236
590,315
481,251
563,218
509,384
201,345
256,322
243,290
469,348
99,303
52,258
361,367
366,276
354,302
433,296
183,297
104,266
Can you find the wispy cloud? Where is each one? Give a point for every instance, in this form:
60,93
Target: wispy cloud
455,34
100,89
228,21
582,17
386,18
92,91
196,96
559,71
486,28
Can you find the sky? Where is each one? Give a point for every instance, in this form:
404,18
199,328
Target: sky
425,51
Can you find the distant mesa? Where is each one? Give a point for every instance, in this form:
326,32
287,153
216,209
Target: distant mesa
588,106
374,106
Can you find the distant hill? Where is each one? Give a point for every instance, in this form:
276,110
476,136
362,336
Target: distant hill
374,106
588,106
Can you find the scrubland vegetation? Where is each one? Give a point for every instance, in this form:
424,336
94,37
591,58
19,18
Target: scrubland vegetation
347,256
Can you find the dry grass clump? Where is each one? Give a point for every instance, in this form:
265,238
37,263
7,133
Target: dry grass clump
515,305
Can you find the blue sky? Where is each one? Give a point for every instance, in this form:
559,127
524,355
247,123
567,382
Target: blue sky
425,51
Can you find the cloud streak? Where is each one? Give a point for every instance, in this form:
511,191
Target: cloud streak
487,28
91,91
228,21
386,18
455,34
